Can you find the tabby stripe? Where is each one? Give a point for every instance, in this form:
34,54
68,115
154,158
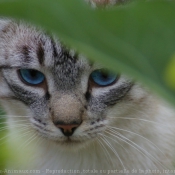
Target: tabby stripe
40,54
112,97
25,51
53,44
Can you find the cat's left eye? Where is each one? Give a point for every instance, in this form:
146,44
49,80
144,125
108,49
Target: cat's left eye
103,77
31,76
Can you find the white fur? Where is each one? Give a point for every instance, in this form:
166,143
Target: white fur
150,118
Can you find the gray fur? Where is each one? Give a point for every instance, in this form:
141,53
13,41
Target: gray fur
35,50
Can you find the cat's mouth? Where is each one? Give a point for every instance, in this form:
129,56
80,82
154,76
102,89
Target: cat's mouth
71,144
71,141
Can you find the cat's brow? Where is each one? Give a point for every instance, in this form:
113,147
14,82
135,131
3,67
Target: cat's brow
14,67
40,54
25,51
55,52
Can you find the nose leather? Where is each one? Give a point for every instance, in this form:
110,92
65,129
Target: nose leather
67,129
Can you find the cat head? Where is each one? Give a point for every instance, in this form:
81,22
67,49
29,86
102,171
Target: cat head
62,95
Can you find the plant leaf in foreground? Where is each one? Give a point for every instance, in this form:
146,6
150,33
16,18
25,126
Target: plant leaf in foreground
138,38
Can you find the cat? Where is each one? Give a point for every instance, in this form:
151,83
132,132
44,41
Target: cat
69,115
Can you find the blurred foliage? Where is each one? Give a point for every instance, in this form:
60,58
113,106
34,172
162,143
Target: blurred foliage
3,147
137,38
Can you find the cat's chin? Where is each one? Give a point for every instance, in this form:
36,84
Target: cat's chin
65,143
73,145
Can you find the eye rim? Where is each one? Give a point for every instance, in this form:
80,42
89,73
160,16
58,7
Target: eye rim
92,83
30,84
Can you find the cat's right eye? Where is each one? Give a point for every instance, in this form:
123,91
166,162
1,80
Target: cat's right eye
103,77
31,76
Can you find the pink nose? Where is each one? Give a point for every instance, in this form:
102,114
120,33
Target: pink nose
67,128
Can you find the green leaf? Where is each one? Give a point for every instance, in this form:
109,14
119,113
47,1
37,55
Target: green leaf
170,72
138,38
4,151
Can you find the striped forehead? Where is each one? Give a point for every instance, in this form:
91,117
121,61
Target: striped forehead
49,53
33,49
36,50
67,67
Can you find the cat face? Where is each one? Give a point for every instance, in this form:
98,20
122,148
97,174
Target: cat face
65,97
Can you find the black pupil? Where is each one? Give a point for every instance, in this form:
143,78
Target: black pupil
104,74
33,73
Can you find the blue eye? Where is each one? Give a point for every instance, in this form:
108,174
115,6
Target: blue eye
103,77
31,76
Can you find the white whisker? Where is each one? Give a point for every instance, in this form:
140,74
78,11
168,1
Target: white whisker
16,122
127,142
116,128
140,119
115,141
105,150
4,128
113,150
13,126
140,149
28,141
7,135
12,116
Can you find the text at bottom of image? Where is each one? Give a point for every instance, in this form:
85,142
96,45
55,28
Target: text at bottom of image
87,171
